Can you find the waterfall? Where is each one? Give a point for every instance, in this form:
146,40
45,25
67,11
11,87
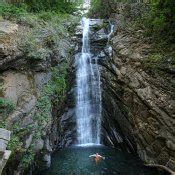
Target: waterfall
111,29
88,93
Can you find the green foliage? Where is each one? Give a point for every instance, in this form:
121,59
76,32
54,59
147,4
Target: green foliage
54,89
17,147
155,57
27,158
40,42
6,106
152,61
161,21
28,14
104,8
60,6
101,8
59,82
18,14
16,9
46,16
11,11
52,5
2,124
159,61
15,144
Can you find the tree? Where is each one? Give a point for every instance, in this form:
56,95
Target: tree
163,18
55,5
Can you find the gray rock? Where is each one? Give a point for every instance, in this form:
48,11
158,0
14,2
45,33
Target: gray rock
8,27
2,50
47,159
3,145
4,159
29,141
171,145
27,120
79,30
48,145
4,134
39,144
41,79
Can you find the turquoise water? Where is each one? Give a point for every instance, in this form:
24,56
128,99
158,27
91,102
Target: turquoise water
76,161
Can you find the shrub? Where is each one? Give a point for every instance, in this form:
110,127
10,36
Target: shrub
11,11
6,106
27,158
15,145
53,5
162,20
97,8
155,57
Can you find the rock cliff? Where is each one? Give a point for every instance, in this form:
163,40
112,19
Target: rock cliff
141,103
29,90
37,96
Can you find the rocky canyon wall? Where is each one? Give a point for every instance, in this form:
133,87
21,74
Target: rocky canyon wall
32,95
141,104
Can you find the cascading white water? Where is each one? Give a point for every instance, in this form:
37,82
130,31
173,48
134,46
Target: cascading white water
88,96
111,30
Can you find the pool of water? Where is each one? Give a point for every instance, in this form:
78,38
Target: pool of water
76,161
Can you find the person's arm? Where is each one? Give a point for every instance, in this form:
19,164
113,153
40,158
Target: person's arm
93,155
102,157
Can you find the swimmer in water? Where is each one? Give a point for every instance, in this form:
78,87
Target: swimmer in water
97,157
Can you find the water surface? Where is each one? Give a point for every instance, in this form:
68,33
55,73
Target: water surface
76,161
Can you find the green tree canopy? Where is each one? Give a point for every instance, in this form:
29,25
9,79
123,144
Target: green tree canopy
163,18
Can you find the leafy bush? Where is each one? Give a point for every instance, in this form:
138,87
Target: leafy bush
27,159
61,6
155,57
11,11
52,5
40,42
162,20
159,63
15,145
55,88
104,8
6,106
101,8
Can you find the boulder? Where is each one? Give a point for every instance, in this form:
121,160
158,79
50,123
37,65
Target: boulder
8,27
39,144
4,134
47,159
3,145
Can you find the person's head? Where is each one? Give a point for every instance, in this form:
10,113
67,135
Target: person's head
96,153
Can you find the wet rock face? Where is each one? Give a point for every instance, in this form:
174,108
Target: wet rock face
112,132
142,105
98,38
67,122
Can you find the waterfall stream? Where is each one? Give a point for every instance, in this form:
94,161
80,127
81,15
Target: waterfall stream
88,95
92,49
